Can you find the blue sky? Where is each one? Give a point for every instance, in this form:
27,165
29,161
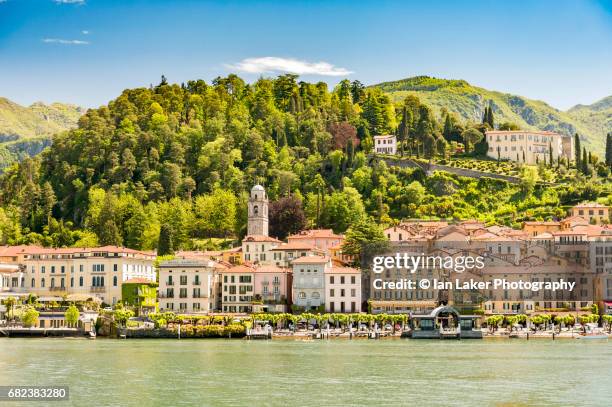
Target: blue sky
86,52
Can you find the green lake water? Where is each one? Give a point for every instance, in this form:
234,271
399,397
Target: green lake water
106,372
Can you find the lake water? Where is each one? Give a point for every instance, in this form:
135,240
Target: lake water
107,372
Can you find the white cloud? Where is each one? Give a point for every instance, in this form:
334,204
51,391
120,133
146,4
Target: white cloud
277,64
79,2
85,32
64,42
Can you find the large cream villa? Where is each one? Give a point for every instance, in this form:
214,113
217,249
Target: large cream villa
95,272
528,146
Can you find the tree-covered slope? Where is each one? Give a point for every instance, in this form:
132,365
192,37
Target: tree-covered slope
25,131
468,101
596,117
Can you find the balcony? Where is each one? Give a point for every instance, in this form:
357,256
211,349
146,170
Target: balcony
169,282
97,289
197,282
164,295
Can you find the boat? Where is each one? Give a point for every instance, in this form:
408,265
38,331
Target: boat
91,335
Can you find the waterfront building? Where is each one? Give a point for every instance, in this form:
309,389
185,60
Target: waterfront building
237,288
97,271
271,289
187,286
12,278
592,212
342,289
309,282
529,147
385,144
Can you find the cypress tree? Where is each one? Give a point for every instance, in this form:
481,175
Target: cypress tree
490,119
584,161
164,245
550,152
448,127
577,150
609,150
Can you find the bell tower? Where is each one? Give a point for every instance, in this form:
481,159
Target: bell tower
258,212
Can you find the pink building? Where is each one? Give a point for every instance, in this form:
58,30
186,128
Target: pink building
272,286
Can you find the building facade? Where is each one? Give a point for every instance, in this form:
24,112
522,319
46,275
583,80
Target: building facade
187,286
529,147
342,289
592,212
309,282
96,272
385,144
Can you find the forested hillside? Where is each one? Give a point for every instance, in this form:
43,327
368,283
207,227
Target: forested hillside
25,131
592,123
182,158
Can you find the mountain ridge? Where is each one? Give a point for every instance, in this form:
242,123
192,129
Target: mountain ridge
591,122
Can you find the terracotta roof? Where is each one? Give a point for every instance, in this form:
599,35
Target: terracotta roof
590,205
138,280
315,233
545,133
75,250
346,270
541,223
294,246
272,269
310,260
260,238
242,268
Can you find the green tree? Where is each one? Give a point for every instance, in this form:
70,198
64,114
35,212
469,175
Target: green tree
577,151
72,315
470,137
30,317
164,246
363,239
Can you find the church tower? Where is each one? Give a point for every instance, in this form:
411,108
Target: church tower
258,212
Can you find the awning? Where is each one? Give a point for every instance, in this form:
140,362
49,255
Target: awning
608,303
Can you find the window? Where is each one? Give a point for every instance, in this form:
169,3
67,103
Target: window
342,280
352,279
316,295
62,282
114,281
42,282
331,279
331,293
42,269
33,283
183,280
80,268
52,269
81,281
301,295
170,292
52,282
183,293
62,269
114,267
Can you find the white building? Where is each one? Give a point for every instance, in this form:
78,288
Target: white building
386,144
309,281
527,146
187,286
342,289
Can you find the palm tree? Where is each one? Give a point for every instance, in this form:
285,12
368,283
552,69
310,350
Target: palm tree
10,302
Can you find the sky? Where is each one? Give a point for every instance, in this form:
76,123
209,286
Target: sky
87,51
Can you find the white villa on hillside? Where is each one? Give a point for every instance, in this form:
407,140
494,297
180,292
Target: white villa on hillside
385,144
